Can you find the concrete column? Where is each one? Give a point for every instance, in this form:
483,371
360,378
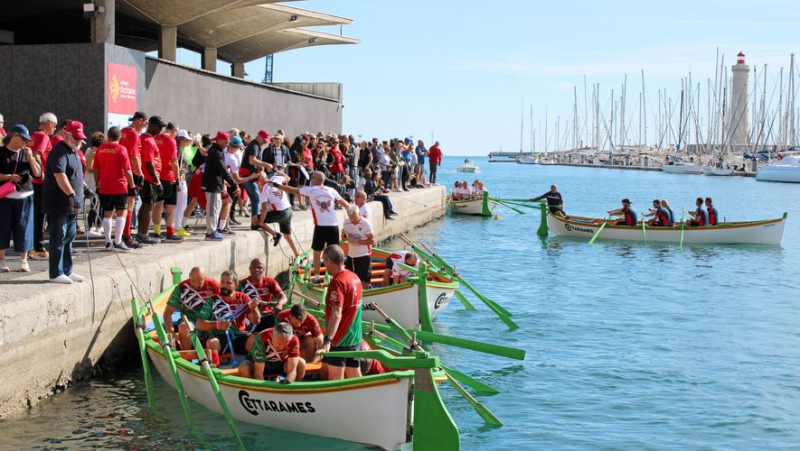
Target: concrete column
103,25
237,70
168,42
210,59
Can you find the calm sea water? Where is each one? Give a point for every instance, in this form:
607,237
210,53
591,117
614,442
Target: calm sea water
629,346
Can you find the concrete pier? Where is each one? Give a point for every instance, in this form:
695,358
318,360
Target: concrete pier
52,335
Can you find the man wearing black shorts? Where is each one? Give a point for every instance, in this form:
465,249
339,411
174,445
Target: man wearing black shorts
357,231
169,178
342,316
326,221
112,171
152,189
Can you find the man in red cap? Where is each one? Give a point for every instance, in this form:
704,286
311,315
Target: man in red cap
62,200
215,176
151,167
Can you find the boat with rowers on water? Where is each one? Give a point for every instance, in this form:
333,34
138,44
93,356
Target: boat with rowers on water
747,232
479,206
410,409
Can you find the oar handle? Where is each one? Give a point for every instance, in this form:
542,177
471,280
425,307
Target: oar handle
379,311
306,298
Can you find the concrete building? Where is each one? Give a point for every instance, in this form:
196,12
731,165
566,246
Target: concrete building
739,112
87,60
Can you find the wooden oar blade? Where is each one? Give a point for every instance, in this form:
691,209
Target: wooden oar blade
472,345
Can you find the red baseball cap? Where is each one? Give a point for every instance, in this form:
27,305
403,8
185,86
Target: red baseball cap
264,134
75,129
222,135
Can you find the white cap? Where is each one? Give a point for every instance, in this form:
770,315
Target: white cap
183,134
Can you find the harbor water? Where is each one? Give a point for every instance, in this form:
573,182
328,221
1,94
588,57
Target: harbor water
629,346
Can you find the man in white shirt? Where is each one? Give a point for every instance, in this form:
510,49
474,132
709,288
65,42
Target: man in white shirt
326,221
357,230
363,207
275,208
393,269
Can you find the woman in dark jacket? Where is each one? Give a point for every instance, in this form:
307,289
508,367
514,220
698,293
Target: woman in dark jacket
17,167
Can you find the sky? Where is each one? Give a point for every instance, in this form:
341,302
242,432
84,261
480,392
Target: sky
462,71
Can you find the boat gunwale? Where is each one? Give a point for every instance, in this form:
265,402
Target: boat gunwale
723,226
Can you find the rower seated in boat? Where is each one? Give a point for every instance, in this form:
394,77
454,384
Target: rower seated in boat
660,215
455,192
554,201
665,205
306,329
274,350
266,291
370,366
629,217
189,297
713,214
393,269
700,215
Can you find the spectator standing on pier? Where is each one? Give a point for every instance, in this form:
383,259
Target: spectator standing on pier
251,162
18,166
215,175
62,200
130,140
41,149
169,176
421,153
435,156
112,171
152,188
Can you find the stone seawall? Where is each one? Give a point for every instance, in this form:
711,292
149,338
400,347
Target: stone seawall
51,335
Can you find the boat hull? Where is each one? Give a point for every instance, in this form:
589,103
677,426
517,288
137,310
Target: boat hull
756,232
682,169
374,413
708,170
401,302
474,207
470,170
779,173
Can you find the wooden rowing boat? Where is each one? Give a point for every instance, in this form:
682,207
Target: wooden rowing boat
481,206
750,232
413,303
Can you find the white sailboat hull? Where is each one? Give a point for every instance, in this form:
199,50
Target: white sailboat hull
779,173
708,170
682,169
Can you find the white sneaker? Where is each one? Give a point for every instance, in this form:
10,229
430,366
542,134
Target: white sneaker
94,234
24,267
4,267
76,278
63,278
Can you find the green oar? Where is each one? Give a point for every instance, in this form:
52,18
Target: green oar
516,204
484,413
209,373
494,306
447,340
507,205
644,232
683,224
464,301
469,381
596,234
458,375
138,327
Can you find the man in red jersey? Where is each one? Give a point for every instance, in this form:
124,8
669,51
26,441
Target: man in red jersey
130,139
306,329
271,350
342,316
151,167
168,151
41,149
266,291
112,170
435,157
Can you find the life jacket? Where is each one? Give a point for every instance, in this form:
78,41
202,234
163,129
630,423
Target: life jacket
701,216
713,216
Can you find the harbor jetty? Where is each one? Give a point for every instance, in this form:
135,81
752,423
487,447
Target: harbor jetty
52,335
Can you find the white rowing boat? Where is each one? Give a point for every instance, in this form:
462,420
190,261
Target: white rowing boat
402,302
751,232
480,206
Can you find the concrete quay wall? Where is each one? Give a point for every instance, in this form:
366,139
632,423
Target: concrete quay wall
52,335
